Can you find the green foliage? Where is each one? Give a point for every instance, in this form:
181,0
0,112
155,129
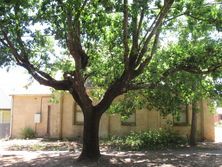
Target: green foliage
182,87
151,139
55,97
219,103
195,25
128,104
28,133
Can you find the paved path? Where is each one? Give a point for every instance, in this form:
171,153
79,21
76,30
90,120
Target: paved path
170,158
5,144
205,155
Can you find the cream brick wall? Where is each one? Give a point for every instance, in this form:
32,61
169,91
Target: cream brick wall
25,107
23,110
68,128
208,123
62,114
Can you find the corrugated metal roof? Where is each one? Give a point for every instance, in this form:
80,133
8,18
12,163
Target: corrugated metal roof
5,100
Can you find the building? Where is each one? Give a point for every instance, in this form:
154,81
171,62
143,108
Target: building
5,114
64,118
218,115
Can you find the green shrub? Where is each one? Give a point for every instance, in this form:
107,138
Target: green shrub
28,133
152,139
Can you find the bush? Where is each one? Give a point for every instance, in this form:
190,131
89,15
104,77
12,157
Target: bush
28,133
152,139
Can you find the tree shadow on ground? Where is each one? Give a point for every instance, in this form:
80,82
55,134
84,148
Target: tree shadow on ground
153,159
119,159
42,160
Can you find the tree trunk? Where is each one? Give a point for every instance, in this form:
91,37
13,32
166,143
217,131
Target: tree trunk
90,151
193,131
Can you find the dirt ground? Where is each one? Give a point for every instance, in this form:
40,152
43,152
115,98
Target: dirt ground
24,153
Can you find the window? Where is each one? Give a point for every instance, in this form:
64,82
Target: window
77,115
1,117
131,121
220,116
182,117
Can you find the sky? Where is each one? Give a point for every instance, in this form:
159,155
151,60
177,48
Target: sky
16,80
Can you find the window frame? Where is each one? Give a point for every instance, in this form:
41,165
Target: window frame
75,111
186,110
1,117
125,123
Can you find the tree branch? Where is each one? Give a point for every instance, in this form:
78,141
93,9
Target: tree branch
3,42
81,9
70,40
121,85
9,44
135,38
197,70
209,21
125,34
149,29
114,90
73,39
174,17
173,70
140,21
42,77
148,59
152,85
156,24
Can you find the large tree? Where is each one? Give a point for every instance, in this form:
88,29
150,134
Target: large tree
111,45
178,91
181,91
